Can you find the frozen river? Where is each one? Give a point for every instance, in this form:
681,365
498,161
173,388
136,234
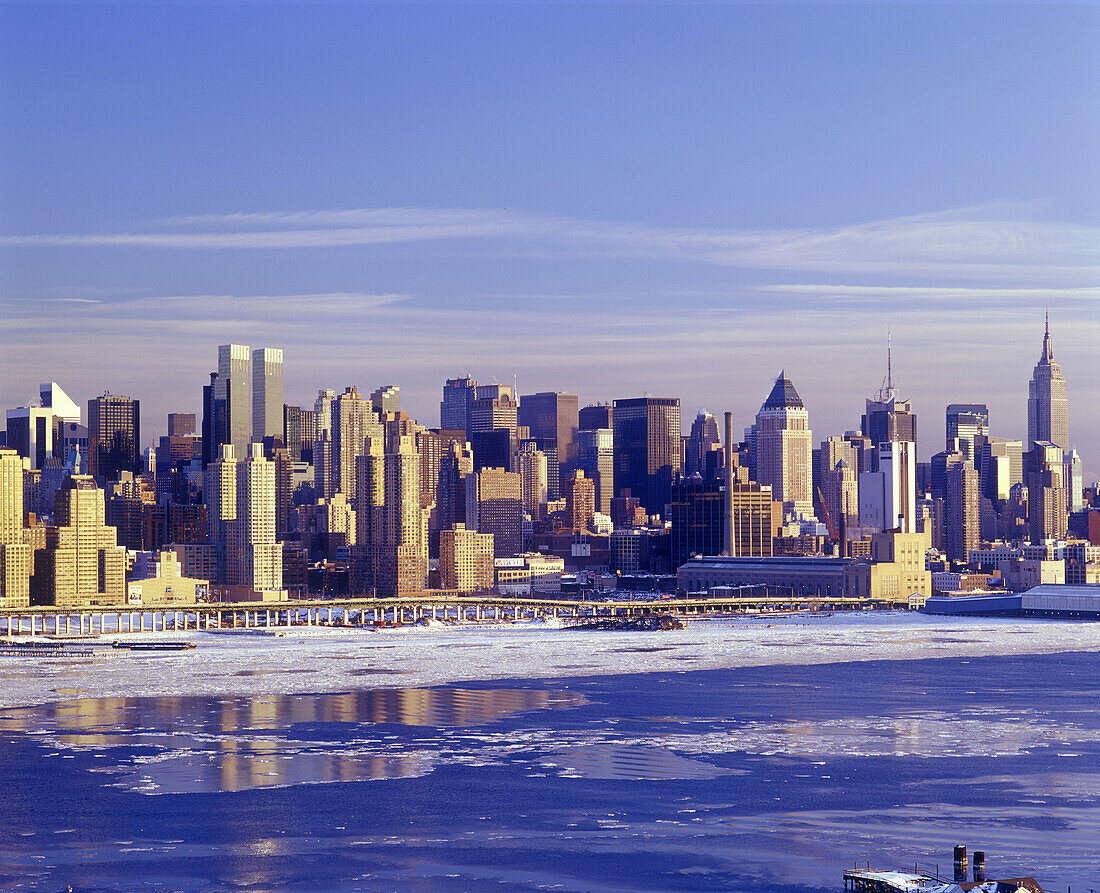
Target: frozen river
744,755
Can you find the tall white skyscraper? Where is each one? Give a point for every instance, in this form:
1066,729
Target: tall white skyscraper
267,393
784,447
888,497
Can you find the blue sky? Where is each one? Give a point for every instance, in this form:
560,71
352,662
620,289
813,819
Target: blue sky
610,199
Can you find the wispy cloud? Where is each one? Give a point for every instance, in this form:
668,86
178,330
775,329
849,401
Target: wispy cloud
986,240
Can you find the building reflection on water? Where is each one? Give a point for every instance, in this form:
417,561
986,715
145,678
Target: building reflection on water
232,744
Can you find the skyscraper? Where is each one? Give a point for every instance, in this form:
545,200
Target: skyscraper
530,465
887,497
233,394
494,407
353,420
114,425
784,447
698,516
494,504
386,399
967,426
391,542
553,415
596,415
888,417
961,518
596,458
1046,491
1047,407
267,393
465,559
647,449
240,506
702,441
15,555
322,412
458,400
580,501
82,564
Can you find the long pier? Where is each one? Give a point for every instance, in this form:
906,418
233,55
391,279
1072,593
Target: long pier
375,612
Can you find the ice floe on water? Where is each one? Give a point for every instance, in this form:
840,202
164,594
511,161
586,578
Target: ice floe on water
345,660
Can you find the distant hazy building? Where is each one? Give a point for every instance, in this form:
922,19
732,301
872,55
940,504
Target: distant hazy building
703,441
267,393
465,559
232,393
386,399
456,463
30,432
1001,468
15,555
322,412
58,402
114,425
82,565
181,424
967,426
784,447
647,449
1047,406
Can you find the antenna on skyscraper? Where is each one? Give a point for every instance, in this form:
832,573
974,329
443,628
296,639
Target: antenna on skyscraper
889,364
888,392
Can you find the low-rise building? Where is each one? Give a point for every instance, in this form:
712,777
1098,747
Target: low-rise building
529,574
157,580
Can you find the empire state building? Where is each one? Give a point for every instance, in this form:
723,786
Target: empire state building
1047,408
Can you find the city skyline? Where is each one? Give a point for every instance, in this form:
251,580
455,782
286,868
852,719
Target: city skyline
680,201
930,439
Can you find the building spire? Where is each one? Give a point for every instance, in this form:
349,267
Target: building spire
887,392
1048,354
889,360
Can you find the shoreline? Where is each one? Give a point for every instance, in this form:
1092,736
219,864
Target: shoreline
321,660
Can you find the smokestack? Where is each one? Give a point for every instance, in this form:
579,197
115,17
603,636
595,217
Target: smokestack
729,550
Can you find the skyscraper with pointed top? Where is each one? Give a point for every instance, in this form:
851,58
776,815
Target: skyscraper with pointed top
1047,407
784,447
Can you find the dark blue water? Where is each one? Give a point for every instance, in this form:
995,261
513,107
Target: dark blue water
770,778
